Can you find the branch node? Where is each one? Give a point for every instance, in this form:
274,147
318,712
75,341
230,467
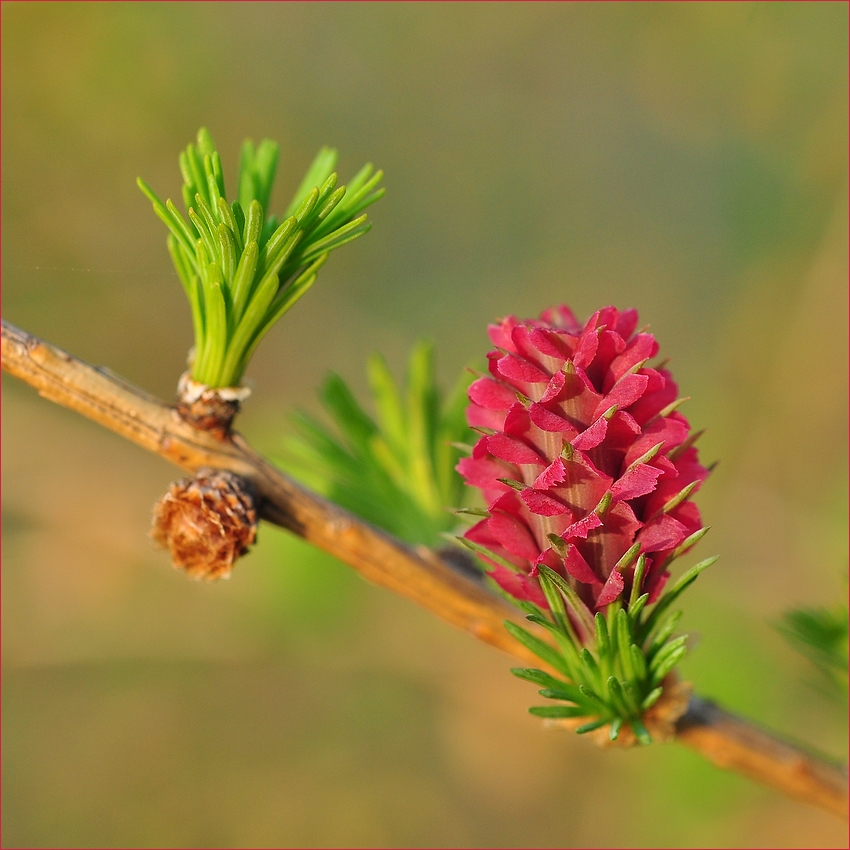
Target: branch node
209,409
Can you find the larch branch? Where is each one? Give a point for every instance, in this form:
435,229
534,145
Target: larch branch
419,574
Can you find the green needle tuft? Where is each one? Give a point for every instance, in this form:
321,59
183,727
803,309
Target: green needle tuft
395,469
240,268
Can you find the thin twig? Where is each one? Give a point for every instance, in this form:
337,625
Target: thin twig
734,743
110,401
418,574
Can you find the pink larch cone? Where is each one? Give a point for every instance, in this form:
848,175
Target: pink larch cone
583,456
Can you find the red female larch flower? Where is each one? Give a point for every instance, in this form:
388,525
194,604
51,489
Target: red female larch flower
583,456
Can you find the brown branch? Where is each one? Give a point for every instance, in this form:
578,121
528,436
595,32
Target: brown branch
734,743
418,574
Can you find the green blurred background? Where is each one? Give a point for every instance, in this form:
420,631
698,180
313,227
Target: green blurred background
686,159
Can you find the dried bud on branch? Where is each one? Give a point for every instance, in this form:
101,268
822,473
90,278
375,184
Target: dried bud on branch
209,408
206,522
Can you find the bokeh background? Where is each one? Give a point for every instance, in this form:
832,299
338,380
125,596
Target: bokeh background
686,159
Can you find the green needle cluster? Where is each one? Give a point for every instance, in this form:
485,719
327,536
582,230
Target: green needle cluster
821,635
240,267
618,675
396,470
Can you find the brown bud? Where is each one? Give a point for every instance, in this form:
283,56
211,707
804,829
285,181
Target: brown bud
209,408
207,522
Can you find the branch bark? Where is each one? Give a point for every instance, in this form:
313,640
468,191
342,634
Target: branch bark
419,574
